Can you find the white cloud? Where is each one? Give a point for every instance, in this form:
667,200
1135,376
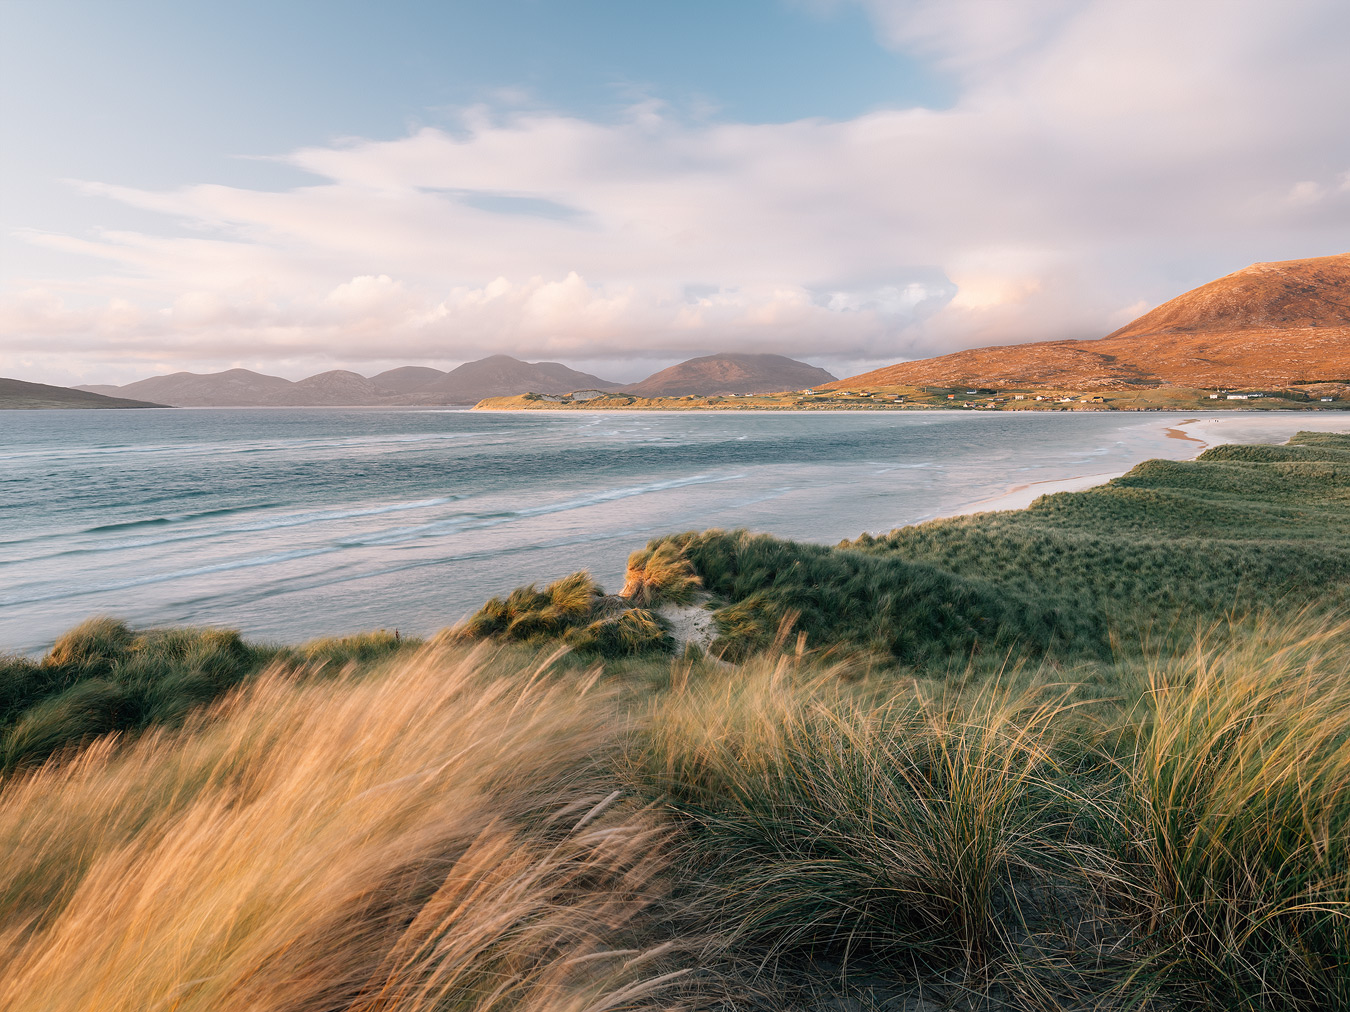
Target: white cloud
1100,155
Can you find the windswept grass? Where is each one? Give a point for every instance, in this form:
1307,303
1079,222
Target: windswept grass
826,826
1239,820
660,572
950,789
480,831
435,839
103,677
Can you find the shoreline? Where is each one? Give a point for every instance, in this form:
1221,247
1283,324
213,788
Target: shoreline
1020,497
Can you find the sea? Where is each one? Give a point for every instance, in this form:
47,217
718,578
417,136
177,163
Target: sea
294,523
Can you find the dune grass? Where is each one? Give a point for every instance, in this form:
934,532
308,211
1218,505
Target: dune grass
1238,820
103,677
951,764
473,830
458,828
438,838
660,572
574,611
828,826
1239,530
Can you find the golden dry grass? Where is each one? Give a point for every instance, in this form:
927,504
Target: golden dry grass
436,838
659,572
478,830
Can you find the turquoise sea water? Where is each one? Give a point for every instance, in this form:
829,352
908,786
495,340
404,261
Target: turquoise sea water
295,523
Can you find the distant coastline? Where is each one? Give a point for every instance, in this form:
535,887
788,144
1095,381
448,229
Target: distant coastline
925,399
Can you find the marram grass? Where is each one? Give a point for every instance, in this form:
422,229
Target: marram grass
826,825
459,829
1000,768
1238,819
436,839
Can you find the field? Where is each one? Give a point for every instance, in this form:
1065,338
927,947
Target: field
1090,755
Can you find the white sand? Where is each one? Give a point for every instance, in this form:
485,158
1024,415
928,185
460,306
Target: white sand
689,623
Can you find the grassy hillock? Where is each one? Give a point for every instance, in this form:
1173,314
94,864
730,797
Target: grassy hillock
764,589
1078,575
1092,755
1241,528
102,677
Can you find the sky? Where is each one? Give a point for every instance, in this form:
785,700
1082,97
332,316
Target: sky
323,184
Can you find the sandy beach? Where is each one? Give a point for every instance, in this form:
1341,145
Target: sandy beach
1207,432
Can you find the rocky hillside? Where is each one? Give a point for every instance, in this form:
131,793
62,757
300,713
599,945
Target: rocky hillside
1270,325
730,374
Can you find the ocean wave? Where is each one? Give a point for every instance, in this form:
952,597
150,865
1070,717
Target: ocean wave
278,523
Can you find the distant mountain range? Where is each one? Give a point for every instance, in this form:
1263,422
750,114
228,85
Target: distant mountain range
495,376
505,376
730,374
1267,326
22,394
1270,325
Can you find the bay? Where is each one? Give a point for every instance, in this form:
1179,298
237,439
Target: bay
294,523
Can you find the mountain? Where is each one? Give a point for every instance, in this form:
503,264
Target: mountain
22,394
106,389
497,376
1269,325
730,374
503,376
335,387
406,379
242,388
232,388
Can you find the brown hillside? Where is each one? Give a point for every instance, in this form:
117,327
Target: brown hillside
1267,325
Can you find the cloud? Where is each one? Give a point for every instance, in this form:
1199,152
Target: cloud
1101,156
